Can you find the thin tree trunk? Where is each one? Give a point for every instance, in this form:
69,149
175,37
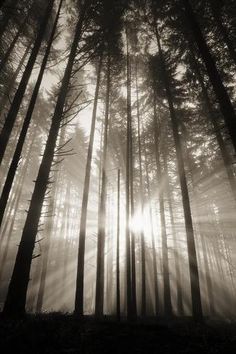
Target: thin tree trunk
153,239
17,154
176,250
118,249
143,255
193,265
99,301
165,258
12,219
13,196
127,190
79,296
15,106
16,297
223,98
45,251
132,233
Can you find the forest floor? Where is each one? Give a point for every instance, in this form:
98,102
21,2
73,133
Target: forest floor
58,333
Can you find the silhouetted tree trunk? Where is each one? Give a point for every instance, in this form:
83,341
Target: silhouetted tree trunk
127,190
193,265
12,218
165,257
153,238
12,114
143,257
45,249
11,204
118,249
79,296
17,154
16,297
99,302
176,249
226,106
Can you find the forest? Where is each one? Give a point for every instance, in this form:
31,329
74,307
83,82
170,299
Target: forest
118,176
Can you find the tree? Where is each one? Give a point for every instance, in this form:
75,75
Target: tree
79,297
193,266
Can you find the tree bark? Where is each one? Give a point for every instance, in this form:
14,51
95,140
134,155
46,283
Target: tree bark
118,249
143,255
127,190
79,296
99,301
176,250
165,257
193,265
154,256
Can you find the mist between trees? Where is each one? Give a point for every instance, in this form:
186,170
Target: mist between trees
117,150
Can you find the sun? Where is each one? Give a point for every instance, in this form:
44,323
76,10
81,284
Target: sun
142,222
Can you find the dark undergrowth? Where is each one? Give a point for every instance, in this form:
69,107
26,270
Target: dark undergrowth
60,333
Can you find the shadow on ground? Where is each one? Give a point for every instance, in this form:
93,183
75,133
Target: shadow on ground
58,333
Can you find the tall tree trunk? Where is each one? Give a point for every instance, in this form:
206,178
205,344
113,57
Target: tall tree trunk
154,256
46,249
15,203
79,296
118,249
16,157
165,257
12,218
225,104
127,190
131,186
16,297
193,265
180,308
143,256
99,302
15,106
13,195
